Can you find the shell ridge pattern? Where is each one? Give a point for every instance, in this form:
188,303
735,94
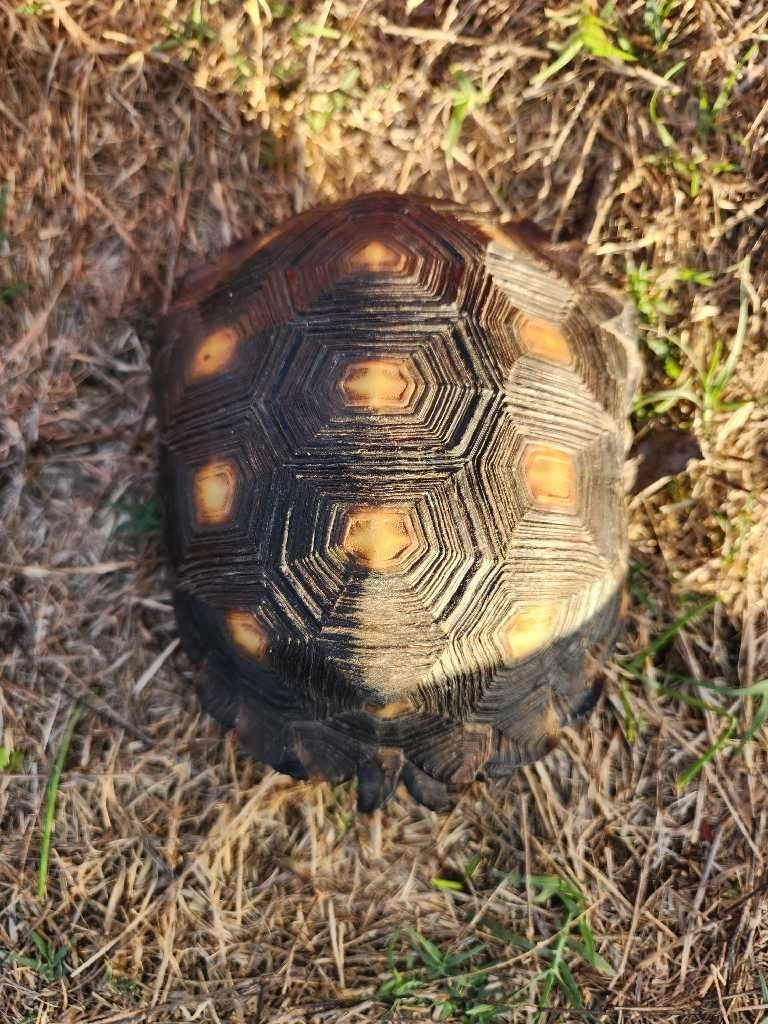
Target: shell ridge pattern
389,439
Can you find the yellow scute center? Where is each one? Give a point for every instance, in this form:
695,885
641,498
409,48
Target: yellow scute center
377,384
214,353
215,487
528,629
379,537
550,476
376,256
544,340
248,633
392,710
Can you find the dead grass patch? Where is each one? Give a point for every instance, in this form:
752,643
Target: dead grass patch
184,883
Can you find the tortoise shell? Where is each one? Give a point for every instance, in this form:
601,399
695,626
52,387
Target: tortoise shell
392,440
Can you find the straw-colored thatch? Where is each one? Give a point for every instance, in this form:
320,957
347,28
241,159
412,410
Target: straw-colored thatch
184,883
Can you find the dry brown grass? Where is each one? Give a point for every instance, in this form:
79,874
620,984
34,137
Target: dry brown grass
186,884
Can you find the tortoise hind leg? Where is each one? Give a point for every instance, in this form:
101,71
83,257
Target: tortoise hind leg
425,789
377,779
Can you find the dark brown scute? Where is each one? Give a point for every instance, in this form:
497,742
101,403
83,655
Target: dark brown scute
334,749
269,737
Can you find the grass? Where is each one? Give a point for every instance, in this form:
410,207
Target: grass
324,106
49,809
687,689
448,984
690,166
469,983
573,939
11,760
699,380
50,962
8,292
656,17
621,878
593,35
465,98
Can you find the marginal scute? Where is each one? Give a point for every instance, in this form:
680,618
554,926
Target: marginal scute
379,537
544,340
215,488
215,353
528,629
248,633
550,476
380,385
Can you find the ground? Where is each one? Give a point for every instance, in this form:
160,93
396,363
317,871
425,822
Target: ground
148,872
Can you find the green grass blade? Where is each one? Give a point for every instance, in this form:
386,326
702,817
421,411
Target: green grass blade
597,40
665,136
723,97
50,799
433,957
707,756
570,51
634,664
739,337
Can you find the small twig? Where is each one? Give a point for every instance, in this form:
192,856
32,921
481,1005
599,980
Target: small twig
145,677
18,351
77,34
38,572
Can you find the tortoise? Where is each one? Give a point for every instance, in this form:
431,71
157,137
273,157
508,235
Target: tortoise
392,437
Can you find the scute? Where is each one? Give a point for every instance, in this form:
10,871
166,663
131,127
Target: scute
550,476
392,436
214,354
543,339
215,489
377,384
528,629
379,537
247,633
